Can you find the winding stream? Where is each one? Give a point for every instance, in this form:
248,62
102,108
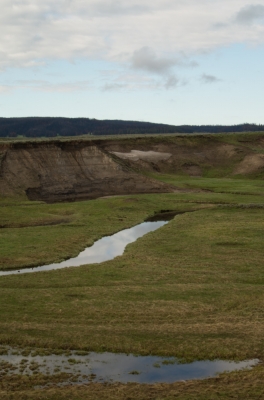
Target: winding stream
108,367
103,249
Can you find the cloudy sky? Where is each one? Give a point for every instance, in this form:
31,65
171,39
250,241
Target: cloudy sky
168,61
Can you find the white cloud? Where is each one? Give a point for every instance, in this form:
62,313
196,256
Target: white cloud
33,32
250,14
131,81
137,81
171,82
46,86
114,86
205,78
62,87
146,59
118,7
5,89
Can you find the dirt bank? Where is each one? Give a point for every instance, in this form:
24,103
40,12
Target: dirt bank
194,155
67,171
86,169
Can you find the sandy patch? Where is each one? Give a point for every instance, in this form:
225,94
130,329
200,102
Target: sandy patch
150,156
227,150
251,163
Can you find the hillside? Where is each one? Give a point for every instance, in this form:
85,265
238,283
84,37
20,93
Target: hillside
33,127
52,127
69,170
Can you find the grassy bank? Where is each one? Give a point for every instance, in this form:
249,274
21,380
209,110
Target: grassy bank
33,234
192,289
236,385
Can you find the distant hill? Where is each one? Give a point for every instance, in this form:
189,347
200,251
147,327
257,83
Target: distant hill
56,126
226,128
52,127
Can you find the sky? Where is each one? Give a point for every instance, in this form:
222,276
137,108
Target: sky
176,62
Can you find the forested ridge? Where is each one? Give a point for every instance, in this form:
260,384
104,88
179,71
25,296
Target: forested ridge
57,126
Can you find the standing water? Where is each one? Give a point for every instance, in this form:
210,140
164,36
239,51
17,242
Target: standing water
103,249
109,367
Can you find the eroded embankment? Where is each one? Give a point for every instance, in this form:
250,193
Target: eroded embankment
194,155
73,170
86,169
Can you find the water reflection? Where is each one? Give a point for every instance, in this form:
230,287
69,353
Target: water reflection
104,249
124,368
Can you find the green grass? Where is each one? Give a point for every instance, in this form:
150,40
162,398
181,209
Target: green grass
34,234
220,185
192,289
203,269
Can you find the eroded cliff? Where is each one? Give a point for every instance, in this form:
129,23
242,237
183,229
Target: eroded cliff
68,171
86,169
194,155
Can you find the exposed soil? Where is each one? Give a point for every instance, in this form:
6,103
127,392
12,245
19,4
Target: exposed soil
192,155
187,155
78,169
252,163
149,156
67,172
44,223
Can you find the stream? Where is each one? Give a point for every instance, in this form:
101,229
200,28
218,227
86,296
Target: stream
102,250
110,367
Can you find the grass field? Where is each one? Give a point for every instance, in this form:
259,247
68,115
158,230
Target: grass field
193,289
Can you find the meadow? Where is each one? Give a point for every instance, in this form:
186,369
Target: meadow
192,289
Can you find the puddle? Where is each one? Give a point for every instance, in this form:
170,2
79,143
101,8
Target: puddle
108,367
103,249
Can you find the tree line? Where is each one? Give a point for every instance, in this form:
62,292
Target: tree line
34,127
